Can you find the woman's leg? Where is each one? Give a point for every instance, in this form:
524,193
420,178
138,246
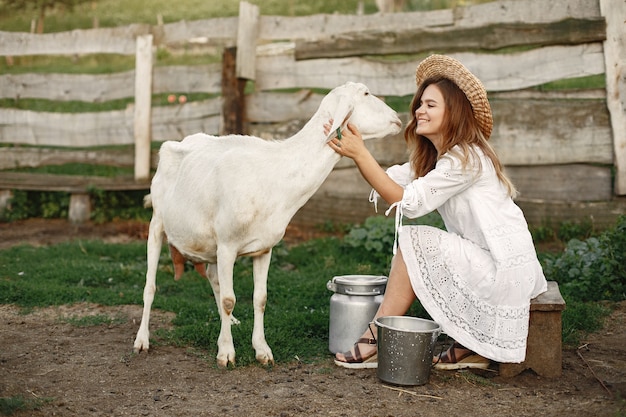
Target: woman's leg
398,298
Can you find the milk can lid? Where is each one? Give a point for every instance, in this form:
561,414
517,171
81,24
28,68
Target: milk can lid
360,280
368,285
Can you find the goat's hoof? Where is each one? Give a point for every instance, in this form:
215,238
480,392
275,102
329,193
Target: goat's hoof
265,358
224,360
139,346
265,361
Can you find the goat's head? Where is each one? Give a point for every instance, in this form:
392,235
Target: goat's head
353,103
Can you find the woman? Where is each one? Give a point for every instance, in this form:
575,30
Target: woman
477,278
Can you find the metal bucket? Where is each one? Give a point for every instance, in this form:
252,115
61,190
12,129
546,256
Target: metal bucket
352,308
405,349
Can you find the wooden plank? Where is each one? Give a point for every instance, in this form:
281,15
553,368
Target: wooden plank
216,31
552,128
67,87
601,214
67,183
25,127
247,34
142,116
223,31
515,11
269,107
119,40
105,87
566,131
547,131
551,300
279,28
278,69
615,59
531,11
572,182
187,79
490,37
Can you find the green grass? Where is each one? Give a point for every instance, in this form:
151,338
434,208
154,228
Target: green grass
12,405
119,12
111,13
581,318
109,274
79,169
297,313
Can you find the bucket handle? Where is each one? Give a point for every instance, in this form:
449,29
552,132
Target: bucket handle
435,335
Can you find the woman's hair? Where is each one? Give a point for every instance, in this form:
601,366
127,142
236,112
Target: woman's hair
459,128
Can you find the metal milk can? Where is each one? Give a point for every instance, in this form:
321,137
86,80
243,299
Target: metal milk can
352,307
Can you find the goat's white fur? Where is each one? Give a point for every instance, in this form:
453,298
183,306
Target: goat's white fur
217,198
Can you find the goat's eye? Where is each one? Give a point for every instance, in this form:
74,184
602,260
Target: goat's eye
367,93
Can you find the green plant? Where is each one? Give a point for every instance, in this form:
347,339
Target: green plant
12,405
542,234
107,205
594,269
126,205
574,230
26,204
330,226
376,236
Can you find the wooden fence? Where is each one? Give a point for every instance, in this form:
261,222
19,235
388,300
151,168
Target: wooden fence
565,150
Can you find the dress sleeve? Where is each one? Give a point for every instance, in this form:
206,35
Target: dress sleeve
401,174
427,193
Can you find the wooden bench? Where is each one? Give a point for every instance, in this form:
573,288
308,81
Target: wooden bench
543,349
78,187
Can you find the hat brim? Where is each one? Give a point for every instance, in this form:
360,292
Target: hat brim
450,68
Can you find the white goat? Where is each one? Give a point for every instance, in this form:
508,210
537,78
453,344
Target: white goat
217,198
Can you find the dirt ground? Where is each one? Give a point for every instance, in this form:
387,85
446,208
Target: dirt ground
79,371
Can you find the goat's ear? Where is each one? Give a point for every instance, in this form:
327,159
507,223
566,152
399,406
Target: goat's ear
341,114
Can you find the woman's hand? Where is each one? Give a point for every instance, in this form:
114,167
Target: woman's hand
351,143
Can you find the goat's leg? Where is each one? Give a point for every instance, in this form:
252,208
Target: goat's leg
225,263
155,240
261,265
211,275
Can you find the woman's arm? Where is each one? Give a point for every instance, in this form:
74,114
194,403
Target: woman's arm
352,146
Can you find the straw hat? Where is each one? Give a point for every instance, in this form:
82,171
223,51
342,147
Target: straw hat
450,68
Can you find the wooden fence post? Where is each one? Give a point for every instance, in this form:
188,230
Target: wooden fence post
247,33
233,102
143,107
238,66
615,71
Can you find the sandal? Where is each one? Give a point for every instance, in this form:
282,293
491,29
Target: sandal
448,360
357,361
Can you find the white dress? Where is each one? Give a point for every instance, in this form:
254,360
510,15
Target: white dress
477,278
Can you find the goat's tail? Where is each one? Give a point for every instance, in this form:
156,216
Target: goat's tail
147,201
